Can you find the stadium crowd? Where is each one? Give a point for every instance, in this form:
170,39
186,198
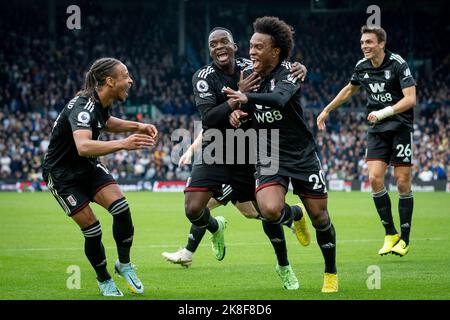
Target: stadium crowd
39,74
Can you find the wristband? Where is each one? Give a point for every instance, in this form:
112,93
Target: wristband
384,113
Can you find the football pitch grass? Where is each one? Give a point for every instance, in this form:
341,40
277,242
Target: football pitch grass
39,245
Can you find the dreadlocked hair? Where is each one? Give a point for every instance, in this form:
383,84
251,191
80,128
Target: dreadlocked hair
96,75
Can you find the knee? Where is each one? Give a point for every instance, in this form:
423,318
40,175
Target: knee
192,210
403,185
376,181
320,218
271,211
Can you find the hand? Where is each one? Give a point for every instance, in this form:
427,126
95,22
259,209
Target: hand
235,117
299,71
138,141
251,83
186,158
148,129
372,118
236,96
321,120
379,115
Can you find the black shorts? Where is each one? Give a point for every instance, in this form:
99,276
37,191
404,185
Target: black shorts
211,178
228,195
308,185
392,147
74,195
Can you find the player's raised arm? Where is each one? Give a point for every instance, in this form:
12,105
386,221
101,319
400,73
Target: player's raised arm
299,71
346,93
87,147
119,125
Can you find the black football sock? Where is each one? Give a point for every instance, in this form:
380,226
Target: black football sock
123,229
405,209
383,205
195,237
94,250
326,239
286,216
275,233
297,212
206,221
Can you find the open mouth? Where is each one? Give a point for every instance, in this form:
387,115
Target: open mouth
222,57
256,63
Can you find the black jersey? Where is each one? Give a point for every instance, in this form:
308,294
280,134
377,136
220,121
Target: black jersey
384,88
62,159
276,105
208,84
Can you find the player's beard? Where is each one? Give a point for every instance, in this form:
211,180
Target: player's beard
123,95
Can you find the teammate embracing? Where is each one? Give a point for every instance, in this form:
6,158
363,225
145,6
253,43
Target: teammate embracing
275,107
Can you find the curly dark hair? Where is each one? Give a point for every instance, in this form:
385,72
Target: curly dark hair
281,33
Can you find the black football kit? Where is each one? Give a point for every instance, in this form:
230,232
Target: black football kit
389,140
208,84
286,146
73,179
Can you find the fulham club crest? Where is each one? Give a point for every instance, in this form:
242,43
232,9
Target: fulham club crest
387,74
71,199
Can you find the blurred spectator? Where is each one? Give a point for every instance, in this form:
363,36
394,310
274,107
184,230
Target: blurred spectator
426,174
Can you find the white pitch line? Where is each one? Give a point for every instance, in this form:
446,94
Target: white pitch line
232,244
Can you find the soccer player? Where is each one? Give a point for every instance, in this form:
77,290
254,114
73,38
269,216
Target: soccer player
206,180
276,107
391,94
76,177
247,209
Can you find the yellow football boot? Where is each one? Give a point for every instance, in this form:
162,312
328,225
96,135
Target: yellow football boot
400,249
300,228
389,242
330,283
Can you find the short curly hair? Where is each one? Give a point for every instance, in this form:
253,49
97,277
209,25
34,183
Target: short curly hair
281,33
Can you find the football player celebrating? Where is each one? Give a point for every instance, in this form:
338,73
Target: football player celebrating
76,177
391,94
276,108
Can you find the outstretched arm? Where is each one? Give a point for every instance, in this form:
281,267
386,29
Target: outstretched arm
87,147
119,125
346,93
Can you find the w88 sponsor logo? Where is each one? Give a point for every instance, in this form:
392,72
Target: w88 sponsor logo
382,97
268,116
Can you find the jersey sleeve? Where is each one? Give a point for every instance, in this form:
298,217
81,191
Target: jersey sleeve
212,112
82,114
405,77
354,79
203,89
285,86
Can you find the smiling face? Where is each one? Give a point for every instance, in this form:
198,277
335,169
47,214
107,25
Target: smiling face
121,82
262,53
222,48
370,46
